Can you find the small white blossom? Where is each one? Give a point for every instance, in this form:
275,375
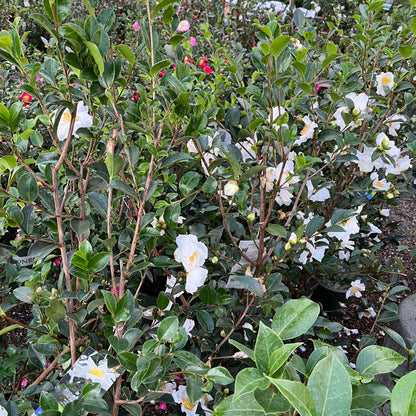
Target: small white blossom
239,355
394,123
356,288
307,132
189,408
231,188
385,80
368,313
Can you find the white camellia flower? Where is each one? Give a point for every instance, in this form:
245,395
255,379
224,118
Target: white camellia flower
385,212
192,254
3,411
385,80
394,123
307,132
277,112
387,145
356,288
248,148
95,372
188,326
190,144
345,248
365,162
189,408
402,164
230,188
368,313
82,119
360,107
380,184
284,197
269,178
350,227
315,195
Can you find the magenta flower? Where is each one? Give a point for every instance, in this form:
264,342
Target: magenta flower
24,383
162,406
136,26
183,26
192,41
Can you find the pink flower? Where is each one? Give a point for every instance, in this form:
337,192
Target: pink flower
57,261
24,383
208,69
162,406
183,26
179,9
136,26
192,41
117,288
162,74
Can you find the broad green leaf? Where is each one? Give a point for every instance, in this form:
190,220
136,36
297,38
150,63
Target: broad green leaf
86,249
114,164
128,53
209,186
96,54
280,356
119,344
172,214
110,301
297,394
369,396
28,187
295,317
55,310
133,409
98,262
277,230
375,360
176,158
15,214
330,387
220,375
267,342
159,6
413,25
248,380
157,68
403,396
250,173
314,225
235,165
279,44
205,320
246,405
189,182
273,402
405,51
168,329
8,162
251,284
248,351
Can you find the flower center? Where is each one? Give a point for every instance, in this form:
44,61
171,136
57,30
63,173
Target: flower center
385,80
193,257
67,116
355,289
187,404
97,372
380,184
305,130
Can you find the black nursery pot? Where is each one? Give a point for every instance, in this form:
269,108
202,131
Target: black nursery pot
329,297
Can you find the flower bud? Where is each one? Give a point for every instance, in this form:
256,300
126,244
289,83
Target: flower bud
389,195
214,260
293,239
222,333
231,188
356,111
251,217
288,246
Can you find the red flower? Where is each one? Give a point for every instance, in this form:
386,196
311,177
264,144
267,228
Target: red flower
208,70
203,62
26,98
162,74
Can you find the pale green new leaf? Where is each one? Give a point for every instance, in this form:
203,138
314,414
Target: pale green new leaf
403,396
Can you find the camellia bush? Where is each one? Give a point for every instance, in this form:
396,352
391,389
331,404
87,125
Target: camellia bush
175,209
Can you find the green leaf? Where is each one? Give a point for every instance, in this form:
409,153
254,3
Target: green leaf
329,59
220,375
48,402
273,402
375,360
110,301
314,225
279,44
96,54
403,396
248,380
175,158
280,356
123,187
128,53
246,405
119,344
295,317
9,328
248,351
167,329
297,394
277,230
161,5
99,262
235,165
133,409
207,295
267,342
157,68
251,284
405,51
55,310
413,25
189,182
209,186
86,249
205,320
369,396
172,214
330,387
15,214
114,164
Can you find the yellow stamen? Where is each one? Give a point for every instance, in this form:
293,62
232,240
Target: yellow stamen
355,289
97,372
380,184
305,130
187,404
385,80
67,116
193,257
